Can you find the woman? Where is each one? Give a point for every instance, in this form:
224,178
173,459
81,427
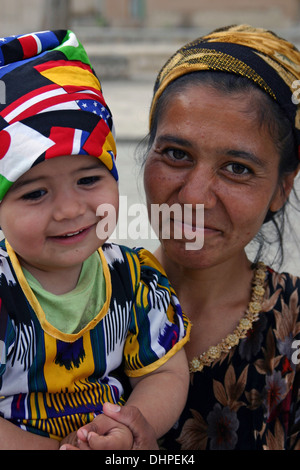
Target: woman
225,132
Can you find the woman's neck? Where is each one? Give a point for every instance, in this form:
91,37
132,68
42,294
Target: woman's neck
214,299
208,288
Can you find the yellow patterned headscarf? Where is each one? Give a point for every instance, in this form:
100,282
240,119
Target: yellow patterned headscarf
269,61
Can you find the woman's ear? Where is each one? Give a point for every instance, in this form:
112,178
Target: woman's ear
283,191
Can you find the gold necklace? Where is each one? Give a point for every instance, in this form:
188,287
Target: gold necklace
245,324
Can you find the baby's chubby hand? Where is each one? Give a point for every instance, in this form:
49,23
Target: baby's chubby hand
103,433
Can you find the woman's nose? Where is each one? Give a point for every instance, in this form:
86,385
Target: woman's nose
68,205
199,187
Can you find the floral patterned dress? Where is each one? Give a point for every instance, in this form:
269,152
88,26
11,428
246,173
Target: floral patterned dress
249,399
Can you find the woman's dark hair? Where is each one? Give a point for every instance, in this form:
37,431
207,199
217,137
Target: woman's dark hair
269,114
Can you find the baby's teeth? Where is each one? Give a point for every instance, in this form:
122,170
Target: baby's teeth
72,234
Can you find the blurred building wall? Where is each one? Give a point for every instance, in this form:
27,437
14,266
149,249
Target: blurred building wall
21,16
193,13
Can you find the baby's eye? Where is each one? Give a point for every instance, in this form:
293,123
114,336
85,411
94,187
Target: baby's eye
238,169
34,195
88,180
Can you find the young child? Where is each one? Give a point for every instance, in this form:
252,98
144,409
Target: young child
73,313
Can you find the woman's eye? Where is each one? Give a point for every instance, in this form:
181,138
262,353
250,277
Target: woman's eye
176,154
238,169
89,180
34,195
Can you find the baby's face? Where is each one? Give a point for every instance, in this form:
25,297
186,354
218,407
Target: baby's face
49,215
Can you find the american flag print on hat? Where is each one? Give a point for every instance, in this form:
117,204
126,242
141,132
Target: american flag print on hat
54,105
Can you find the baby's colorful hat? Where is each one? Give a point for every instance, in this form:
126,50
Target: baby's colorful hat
51,104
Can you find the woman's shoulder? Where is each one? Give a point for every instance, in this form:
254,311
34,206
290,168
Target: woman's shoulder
282,280
282,291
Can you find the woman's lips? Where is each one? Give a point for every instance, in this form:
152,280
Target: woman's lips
187,228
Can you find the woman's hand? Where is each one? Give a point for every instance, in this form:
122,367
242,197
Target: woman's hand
103,433
143,434
91,436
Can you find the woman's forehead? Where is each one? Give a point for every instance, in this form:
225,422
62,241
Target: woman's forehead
196,96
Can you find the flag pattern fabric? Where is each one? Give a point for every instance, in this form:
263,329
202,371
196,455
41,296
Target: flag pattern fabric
53,104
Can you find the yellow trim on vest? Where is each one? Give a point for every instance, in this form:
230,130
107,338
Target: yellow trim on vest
160,362
46,326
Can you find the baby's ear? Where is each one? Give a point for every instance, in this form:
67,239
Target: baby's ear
283,191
